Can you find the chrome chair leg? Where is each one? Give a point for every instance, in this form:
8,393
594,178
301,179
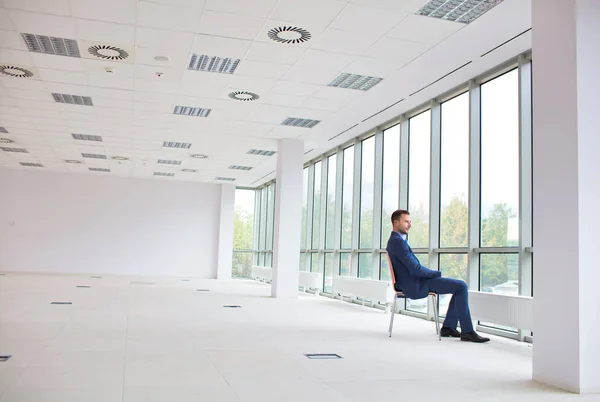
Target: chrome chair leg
436,316
392,314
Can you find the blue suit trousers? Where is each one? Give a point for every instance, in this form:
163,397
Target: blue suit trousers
458,309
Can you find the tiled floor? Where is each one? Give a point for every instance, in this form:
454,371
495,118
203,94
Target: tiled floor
166,341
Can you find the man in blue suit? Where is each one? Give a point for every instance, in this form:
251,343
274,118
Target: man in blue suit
416,281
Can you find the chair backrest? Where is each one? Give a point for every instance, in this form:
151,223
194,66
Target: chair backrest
391,270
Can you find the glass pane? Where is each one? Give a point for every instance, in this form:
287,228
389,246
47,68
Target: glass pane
261,259
418,178
328,277
365,266
419,305
243,220
344,264
452,266
367,182
500,161
391,180
500,273
455,172
331,179
347,190
303,262
304,207
316,226
241,264
270,216
314,263
384,269
269,260
264,201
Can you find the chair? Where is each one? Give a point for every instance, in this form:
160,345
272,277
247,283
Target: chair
401,295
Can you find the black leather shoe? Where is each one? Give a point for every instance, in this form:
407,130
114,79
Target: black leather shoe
446,332
473,337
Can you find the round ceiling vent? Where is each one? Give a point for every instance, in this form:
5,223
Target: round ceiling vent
14,71
6,141
74,161
108,52
243,96
120,158
289,35
199,156
189,170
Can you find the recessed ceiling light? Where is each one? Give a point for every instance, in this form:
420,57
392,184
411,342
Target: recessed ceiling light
224,178
95,169
119,158
73,161
238,167
191,111
51,45
6,141
289,35
189,170
14,71
198,156
18,150
29,164
87,137
162,58
354,81
169,162
164,174
108,52
171,144
298,122
459,11
73,99
243,96
213,64
261,152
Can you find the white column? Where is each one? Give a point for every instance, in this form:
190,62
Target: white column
288,218
226,231
566,193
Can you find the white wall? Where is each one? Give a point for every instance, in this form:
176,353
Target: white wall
69,223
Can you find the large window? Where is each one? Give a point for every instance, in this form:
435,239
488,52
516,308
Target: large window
304,208
316,221
243,233
330,220
500,161
347,192
454,172
367,180
419,178
391,181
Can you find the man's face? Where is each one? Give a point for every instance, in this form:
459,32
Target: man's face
403,224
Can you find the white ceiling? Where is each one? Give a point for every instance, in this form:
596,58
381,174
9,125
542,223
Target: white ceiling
133,108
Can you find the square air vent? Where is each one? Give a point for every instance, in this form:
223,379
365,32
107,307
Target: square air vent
180,145
169,162
29,164
224,178
86,137
164,174
238,167
459,11
261,152
95,169
213,64
3,130
20,150
94,156
297,122
191,111
354,81
73,99
51,45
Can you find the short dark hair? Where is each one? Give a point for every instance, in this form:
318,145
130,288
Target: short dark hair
398,214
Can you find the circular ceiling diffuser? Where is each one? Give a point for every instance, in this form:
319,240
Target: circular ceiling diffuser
243,96
289,35
74,161
108,52
120,158
199,156
14,71
189,170
6,141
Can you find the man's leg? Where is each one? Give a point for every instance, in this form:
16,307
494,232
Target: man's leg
458,309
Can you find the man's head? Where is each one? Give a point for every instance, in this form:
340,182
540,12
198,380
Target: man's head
401,222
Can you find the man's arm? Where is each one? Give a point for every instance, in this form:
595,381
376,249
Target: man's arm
400,253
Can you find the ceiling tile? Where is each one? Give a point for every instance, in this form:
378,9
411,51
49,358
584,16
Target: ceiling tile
344,42
230,25
208,91
274,53
43,24
189,3
254,84
417,28
310,75
298,11
164,16
219,46
140,96
178,59
262,69
257,8
59,7
396,51
19,57
150,73
117,94
154,107
118,11
57,63
294,88
32,85
105,32
27,94
108,81
338,93
119,69
113,103
198,79
322,59
163,87
324,104
67,77
11,40
367,19
161,39
5,21
282,99
371,67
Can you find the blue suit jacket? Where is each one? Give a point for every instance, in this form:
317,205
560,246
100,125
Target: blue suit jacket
410,275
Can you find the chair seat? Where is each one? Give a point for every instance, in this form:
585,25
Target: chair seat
401,294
